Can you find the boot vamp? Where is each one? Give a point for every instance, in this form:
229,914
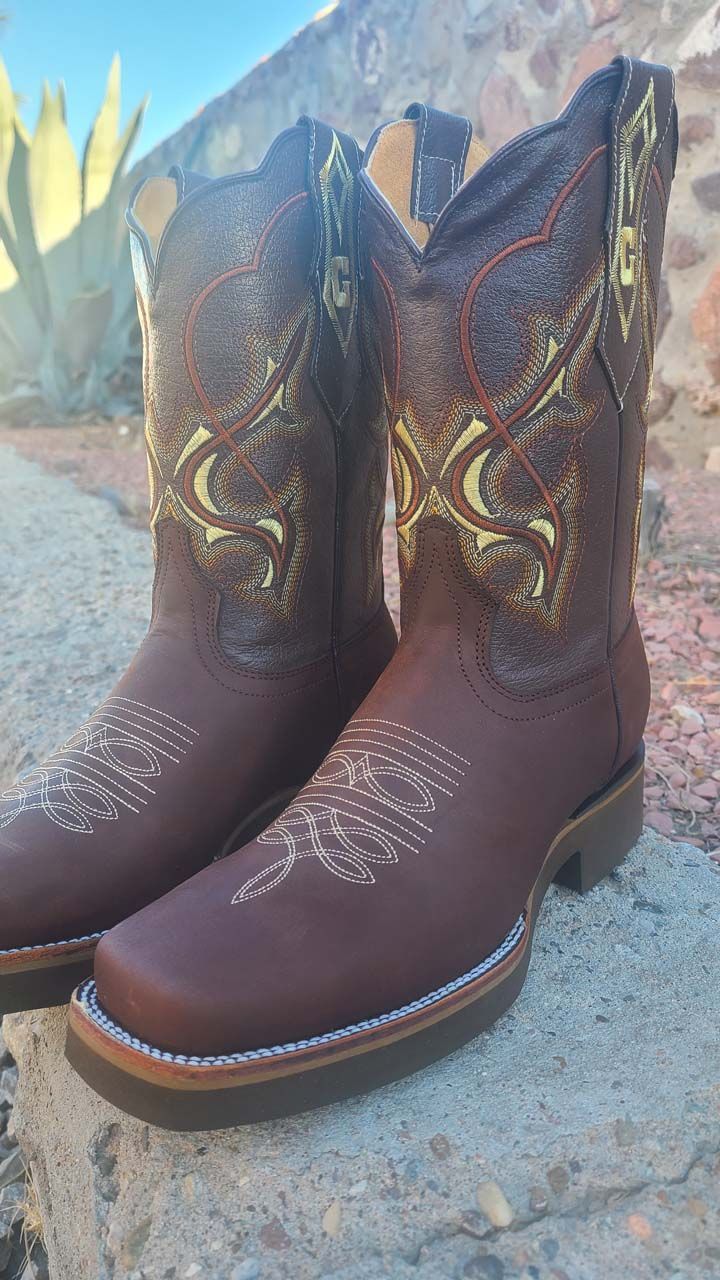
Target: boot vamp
150,787
403,864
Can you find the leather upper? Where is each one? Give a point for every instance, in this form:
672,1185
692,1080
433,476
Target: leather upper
520,685
268,624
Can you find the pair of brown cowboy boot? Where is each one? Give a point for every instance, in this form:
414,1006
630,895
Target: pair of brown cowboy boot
498,313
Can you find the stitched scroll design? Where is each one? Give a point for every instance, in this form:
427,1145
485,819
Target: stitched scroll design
106,769
373,799
209,470
505,466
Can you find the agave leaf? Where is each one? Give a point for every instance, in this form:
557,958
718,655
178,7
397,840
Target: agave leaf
100,156
67,314
103,231
83,329
54,176
8,113
29,261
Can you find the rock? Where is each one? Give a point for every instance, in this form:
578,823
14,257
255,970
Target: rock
544,64
661,403
12,1169
369,52
503,108
537,1200
559,1178
683,251
12,1199
8,1085
591,57
684,714
249,1269
712,462
698,57
664,308
494,1204
706,189
332,1219
484,1266
706,320
660,821
657,457
696,128
651,518
639,1226
601,11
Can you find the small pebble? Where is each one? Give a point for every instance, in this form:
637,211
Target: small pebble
249,1269
493,1202
538,1200
332,1218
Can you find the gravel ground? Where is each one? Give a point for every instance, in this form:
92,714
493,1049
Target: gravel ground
74,573
70,569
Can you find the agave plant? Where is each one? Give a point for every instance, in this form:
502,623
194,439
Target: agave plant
67,311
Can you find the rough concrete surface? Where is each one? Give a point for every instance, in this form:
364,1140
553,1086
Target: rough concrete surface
594,1104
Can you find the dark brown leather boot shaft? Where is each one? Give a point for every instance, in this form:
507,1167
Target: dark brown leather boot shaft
267,454
265,440
387,915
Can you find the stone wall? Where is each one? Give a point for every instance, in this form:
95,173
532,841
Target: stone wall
509,64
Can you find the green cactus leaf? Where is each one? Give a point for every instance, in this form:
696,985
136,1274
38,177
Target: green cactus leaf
28,258
54,176
7,134
67,315
84,327
100,157
8,251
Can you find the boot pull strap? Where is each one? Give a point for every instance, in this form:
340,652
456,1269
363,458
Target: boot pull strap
333,163
441,148
643,145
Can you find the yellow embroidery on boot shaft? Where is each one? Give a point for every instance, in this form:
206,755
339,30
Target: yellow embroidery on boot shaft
336,187
468,473
636,146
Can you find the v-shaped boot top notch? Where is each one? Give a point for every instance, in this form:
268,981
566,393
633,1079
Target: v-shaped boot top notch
155,202
419,162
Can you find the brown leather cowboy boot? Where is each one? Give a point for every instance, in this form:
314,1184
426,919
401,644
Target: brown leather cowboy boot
387,915
267,455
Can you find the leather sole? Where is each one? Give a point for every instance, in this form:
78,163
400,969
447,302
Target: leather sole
184,1093
41,977
45,976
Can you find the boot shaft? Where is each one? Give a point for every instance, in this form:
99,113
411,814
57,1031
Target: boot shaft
515,321
264,432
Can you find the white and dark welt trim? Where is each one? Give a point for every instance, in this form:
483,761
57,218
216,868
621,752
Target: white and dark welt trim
88,999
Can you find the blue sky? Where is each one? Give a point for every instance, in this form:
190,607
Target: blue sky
182,54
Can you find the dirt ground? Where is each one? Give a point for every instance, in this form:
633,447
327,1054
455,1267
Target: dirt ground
678,603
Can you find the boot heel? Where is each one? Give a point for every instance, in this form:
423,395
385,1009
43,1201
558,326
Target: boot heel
600,835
